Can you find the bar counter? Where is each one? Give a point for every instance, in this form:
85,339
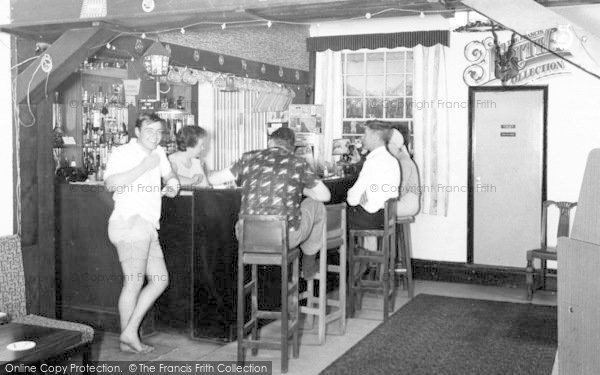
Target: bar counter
198,240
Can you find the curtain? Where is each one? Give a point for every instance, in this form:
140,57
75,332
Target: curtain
431,127
329,89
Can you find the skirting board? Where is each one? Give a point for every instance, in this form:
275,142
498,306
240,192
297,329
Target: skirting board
508,277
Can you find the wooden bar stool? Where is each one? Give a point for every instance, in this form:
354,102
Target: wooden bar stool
334,238
263,240
404,253
384,257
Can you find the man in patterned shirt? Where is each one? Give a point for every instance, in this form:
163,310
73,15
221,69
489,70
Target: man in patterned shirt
273,183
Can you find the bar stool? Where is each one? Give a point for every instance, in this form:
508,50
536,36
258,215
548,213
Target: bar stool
334,238
263,240
403,267
384,257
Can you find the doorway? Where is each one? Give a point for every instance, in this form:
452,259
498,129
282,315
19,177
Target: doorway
507,173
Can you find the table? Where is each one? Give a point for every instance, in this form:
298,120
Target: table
50,342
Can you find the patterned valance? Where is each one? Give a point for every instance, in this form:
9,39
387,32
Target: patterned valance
374,41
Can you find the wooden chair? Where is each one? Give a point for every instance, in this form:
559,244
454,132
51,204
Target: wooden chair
403,267
334,238
13,299
546,253
263,240
384,258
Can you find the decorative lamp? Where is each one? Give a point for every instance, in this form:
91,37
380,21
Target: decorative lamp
156,60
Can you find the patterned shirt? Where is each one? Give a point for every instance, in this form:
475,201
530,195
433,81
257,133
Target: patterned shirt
272,183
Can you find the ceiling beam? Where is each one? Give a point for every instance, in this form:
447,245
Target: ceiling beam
66,55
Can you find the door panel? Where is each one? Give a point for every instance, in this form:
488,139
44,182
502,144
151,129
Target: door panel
508,157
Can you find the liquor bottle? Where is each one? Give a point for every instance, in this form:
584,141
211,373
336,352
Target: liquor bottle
125,135
102,133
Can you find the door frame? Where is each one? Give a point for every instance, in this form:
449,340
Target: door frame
471,158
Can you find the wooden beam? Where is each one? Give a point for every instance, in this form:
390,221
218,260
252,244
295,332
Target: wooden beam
66,54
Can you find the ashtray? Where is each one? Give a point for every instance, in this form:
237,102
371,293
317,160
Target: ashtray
20,346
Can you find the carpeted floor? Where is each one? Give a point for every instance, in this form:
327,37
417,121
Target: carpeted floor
446,335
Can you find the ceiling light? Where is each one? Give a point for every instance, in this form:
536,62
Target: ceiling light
269,24
368,16
422,15
223,26
182,30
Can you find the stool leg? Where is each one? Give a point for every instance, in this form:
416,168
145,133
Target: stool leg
254,298
240,311
284,316
391,272
351,275
342,290
310,292
385,277
322,295
407,260
543,268
296,304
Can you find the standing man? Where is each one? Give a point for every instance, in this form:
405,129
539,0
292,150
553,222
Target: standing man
378,181
133,173
273,183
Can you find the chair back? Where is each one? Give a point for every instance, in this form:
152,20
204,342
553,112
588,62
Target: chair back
564,220
12,277
263,234
389,215
336,225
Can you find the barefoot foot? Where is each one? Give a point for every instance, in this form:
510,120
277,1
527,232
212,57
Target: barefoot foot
131,341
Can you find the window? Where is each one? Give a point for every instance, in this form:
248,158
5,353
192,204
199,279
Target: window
378,85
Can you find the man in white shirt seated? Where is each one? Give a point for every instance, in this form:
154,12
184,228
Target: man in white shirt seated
377,182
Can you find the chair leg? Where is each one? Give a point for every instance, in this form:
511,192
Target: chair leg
295,281
529,276
543,269
342,290
322,296
351,286
240,312
407,260
254,298
390,270
385,278
284,316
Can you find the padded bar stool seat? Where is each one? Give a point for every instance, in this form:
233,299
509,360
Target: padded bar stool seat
263,240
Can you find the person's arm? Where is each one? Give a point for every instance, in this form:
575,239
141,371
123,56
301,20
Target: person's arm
221,177
116,180
172,184
319,192
356,192
166,172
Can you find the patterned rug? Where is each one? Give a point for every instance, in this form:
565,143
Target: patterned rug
446,335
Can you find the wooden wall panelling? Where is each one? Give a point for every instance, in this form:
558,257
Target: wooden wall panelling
66,54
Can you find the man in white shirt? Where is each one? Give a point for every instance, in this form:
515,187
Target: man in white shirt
134,173
377,182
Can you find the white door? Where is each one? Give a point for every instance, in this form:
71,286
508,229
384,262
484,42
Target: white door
507,174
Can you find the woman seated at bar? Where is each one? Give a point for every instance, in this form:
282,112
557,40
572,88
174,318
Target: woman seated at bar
133,173
409,201
187,162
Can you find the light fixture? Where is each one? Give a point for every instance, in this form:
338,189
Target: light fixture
156,59
422,15
229,84
368,16
182,30
223,26
108,45
561,38
143,35
269,24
